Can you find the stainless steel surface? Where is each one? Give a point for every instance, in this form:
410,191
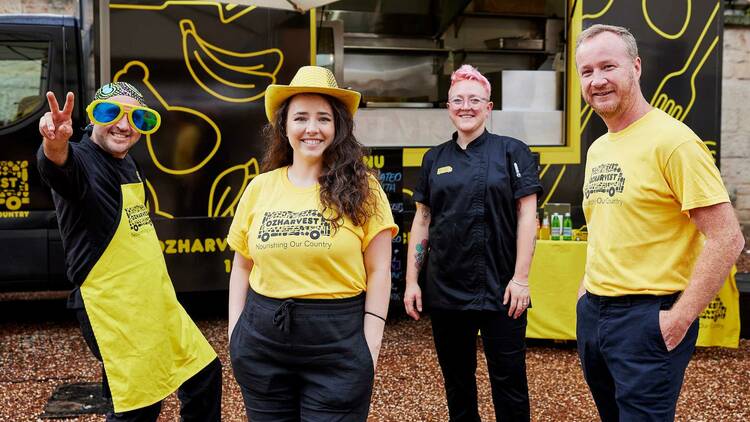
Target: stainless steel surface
379,40
396,58
531,90
554,35
335,48
390,49
428,127
514,44
396,127
380,104
532,127
385,75
401,24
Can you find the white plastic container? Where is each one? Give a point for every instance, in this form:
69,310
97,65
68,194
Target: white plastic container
537,90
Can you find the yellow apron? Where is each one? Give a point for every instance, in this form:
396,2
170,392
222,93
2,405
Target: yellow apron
149,344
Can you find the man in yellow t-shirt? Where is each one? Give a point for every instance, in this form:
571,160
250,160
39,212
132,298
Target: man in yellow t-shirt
662,238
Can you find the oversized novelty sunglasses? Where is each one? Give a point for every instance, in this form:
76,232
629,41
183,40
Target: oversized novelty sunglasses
142,119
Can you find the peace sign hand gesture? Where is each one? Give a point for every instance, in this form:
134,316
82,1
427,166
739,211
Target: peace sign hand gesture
56,126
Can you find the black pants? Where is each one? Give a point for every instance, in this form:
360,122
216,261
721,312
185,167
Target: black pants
626,364
302,360
200,395
455,334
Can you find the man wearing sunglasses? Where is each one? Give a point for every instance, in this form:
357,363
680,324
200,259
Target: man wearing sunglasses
124,300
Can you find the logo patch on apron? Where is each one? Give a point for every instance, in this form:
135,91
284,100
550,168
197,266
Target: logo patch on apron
138,218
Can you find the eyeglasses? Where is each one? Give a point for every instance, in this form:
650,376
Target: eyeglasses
474,102
143,119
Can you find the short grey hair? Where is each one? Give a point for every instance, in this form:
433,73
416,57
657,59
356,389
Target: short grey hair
630,45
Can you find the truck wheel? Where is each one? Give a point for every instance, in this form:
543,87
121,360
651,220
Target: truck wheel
265,236
611,191
314,234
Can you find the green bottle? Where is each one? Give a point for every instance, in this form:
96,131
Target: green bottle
567,227
556,226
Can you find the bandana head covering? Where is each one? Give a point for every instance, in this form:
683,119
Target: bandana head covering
114,89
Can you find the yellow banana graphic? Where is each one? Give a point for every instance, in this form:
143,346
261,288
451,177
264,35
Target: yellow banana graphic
228,75
231,181
173,121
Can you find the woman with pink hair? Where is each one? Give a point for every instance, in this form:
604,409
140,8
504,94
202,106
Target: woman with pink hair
476,214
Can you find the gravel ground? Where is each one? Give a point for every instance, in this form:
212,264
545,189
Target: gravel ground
743,262
40,348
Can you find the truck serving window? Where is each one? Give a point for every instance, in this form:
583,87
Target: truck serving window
23,65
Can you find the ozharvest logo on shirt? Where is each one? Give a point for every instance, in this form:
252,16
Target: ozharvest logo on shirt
605,178
138,218
291,223
444,169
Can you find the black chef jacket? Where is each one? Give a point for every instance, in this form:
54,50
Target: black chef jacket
87,194
472,195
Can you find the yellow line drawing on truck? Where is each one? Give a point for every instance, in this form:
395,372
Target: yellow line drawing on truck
586,113
157,209
243,173
669,105
662,33
712,148
169,108
222,17
599,13
544,171
251,76
554,186
661,98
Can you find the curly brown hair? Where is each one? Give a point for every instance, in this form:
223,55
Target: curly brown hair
344,183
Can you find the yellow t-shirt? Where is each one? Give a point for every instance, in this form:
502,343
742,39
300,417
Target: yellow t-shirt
639,186
295,251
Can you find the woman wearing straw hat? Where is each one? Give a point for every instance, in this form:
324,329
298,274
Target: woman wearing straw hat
312,234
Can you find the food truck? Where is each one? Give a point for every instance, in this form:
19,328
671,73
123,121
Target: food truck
204,65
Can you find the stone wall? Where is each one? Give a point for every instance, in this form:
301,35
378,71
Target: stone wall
735,119
55,7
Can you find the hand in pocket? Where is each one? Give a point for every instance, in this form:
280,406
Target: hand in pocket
672,331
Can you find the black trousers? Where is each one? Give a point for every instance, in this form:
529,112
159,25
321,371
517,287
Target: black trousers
503,338
626,364
302,360
200,395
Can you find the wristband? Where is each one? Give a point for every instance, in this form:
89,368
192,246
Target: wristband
375,315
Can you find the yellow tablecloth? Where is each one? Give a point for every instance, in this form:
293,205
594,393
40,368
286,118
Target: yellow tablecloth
556,273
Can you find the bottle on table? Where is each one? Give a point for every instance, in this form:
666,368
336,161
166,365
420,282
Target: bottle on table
567,230
556,229
544,230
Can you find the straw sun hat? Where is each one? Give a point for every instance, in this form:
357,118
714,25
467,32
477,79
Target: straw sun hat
310,80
